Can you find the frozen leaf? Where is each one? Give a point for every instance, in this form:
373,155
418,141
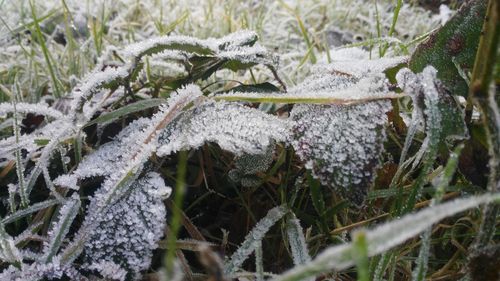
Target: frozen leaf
25,108
436,108
129,230
341,144
253,238
60,227
297,241
234,127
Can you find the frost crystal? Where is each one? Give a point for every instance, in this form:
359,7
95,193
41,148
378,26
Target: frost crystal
109,270
341,144
129,230
233,126
47,271
247,165
24,108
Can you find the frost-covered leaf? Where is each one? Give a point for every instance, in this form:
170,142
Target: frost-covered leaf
137,139
8,250
121,175
234,127
442,118
25,108
253,239
60,227
53,270
341,144
297,241
129,230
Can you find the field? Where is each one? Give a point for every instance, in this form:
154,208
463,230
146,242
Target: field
249,140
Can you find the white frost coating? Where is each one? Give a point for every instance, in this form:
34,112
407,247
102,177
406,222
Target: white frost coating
93,81
359,68
24,108
327,88
133,145
297,241
253,238
129,230
341,144
37,271
340,257
109,270
232,126
28,142
118,181
60,228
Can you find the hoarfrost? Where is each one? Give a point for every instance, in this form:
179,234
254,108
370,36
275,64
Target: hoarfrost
341,144
247,165
340,257
24,108
36,271
109,270
297,241
129,230
253,238
233,126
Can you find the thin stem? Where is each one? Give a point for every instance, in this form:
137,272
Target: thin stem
175,223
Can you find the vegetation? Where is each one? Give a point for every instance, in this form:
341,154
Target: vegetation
131,152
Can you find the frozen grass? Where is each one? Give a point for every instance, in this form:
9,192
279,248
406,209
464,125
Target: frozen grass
296,29
84,191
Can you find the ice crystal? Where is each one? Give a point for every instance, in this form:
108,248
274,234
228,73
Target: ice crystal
24,108
136,140
247,165
129,230
253,238
341,144
234,127
297,241
109,270
37,271
60,227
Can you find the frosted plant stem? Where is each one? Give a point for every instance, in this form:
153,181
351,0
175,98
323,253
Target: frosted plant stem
19,164
259,263
252,239
423,257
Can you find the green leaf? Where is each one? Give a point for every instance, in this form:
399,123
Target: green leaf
125,110
456,41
